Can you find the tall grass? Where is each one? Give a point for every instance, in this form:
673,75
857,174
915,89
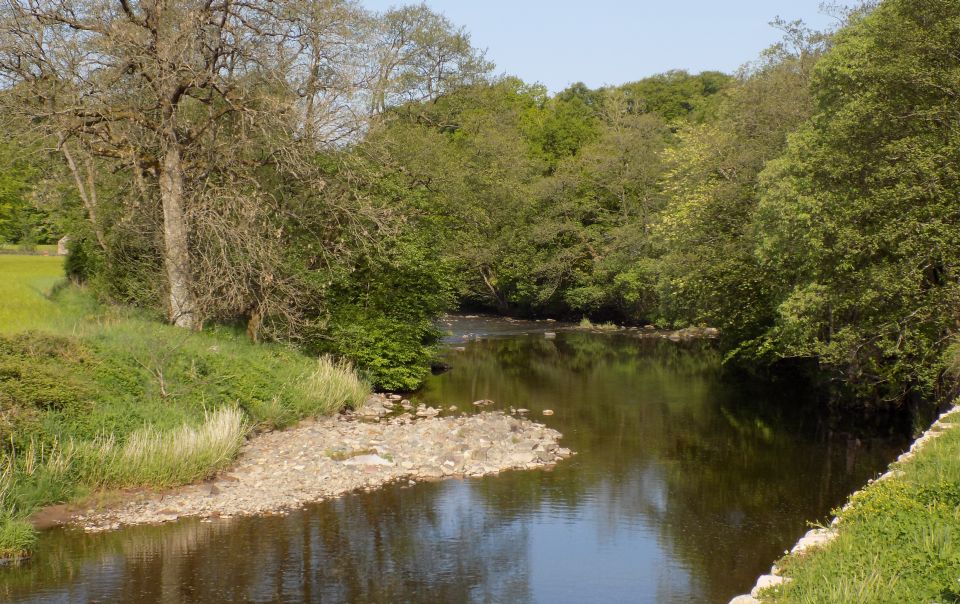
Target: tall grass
151,457
17,536
331,386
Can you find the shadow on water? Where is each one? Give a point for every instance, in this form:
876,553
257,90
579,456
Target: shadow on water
685,487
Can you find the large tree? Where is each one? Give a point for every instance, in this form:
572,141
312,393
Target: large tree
156,86
860,218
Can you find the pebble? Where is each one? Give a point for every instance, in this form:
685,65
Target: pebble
332,456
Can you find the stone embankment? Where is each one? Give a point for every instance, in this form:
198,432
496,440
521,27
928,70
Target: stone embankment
386,441
819,537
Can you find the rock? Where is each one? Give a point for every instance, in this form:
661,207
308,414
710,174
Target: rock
550,335
813,538
765,582
452,408
62,244
745,599
483,403
332,456
548,411
367,460
430,472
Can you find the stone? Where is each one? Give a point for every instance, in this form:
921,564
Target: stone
744,599
482,403
287,469
62,244
367,460
765,582
813,538
548,411
431,472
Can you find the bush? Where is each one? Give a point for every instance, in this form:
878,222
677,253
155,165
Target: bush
17,537
390,354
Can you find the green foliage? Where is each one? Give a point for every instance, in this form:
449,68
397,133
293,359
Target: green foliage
708,272
678,96
20,220
899,539
383,315
860,217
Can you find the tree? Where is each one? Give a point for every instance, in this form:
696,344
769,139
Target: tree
708,272
860,218
420,56
153,87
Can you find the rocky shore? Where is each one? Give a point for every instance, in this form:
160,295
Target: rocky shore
388,440
818,537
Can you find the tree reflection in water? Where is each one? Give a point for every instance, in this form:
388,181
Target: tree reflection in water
684,488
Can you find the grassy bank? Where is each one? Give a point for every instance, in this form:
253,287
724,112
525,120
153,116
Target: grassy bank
898,540
96,397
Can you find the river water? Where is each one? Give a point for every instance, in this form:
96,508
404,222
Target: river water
684,489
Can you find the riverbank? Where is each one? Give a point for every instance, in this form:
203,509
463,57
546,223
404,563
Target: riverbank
94,397
895,540
328,457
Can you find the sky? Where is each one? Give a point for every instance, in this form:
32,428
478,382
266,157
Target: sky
598,42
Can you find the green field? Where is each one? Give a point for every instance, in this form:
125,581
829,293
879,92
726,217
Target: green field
99,397
25,286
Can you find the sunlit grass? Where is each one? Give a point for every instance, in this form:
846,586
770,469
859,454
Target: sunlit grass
156,458
586,323
25,284
899,540
39,249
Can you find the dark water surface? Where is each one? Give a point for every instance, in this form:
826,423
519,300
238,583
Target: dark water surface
684,489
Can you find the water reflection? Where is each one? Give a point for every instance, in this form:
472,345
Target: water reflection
684,489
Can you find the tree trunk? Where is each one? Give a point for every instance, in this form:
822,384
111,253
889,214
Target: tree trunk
87,192
176,256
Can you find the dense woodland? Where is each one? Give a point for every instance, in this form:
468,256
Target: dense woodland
323,175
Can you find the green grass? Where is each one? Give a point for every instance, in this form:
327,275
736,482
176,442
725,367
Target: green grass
95,397
899,539
25,284
586,323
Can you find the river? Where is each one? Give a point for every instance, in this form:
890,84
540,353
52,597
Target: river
684,488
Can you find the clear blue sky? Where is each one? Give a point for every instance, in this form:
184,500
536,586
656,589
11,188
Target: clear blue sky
558,42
